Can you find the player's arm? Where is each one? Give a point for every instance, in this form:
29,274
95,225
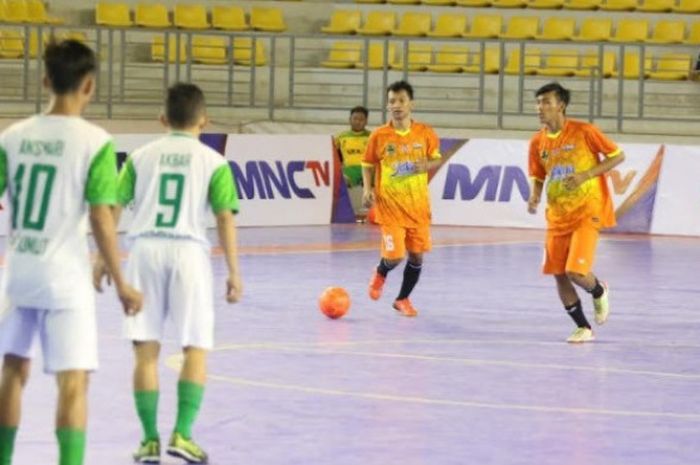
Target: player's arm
369,162
224,201
537,174
598,143
535,195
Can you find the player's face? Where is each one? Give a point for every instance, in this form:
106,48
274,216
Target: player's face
399,104
358,121
549,108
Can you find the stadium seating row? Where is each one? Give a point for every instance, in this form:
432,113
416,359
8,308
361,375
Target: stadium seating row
156,15
657,6
26,11
12,42
558,62
518,27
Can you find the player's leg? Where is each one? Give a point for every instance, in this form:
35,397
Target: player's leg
146,394
418,241
556,254
578,268
71,416
393,249
190,293
18,331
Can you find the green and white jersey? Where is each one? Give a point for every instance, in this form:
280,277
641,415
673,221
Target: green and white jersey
53,168
175,183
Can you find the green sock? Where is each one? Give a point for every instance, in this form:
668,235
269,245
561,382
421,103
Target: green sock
7,443
147,408
189,398
71,445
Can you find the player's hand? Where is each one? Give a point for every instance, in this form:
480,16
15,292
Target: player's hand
574,180
367,198
99,272
234,288
532,204
132,300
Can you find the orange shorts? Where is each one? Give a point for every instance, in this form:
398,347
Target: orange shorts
574,252
396,240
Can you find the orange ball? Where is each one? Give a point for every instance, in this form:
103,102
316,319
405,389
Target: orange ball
334,302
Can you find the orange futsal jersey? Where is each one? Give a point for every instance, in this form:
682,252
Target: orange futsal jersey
576,148
402,195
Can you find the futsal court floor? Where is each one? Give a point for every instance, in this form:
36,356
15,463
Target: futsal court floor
481,377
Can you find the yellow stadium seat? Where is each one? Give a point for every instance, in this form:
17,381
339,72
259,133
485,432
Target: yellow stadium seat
509,3
619,5
560,63
158,49
450,59
485,27
404,2
343,55
591,66
228,18
662,6
582,4
378,23
687,6
473,3
531,62
491,62
522,27
420,55
375,56
113,14
631,30
672,67
630,66
439,2
11,44
190,16
369,1
210,50
413,24
36,11
594,30
243,52
16,11
151,15
2,12
343,22
557,28
267,19
449,25
694,35
546,4
668,32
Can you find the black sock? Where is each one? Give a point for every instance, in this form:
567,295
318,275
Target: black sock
385,267
575,311
411,273
598,290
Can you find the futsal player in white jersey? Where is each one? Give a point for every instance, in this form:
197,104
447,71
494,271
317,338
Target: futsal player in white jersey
175,183
58,169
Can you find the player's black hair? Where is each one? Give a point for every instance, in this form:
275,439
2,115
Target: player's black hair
67,63
563,94
360,109
398,86
184,105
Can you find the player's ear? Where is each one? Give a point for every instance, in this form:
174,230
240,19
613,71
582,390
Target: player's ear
203,121
163,120
87,87
46,82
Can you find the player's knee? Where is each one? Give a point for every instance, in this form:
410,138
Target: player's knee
415,259
16,368
72,384
575,277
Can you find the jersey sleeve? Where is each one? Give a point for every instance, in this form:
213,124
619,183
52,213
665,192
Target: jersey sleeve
222,190
600,143
126,184
535,168
3,170
101,186
433,145
371,157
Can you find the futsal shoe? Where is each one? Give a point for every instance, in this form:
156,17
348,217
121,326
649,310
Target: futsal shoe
602,306
376,286
186,449
405,308
148,452
581,335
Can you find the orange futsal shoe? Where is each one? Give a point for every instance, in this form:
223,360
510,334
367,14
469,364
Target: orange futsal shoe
405,307
376,285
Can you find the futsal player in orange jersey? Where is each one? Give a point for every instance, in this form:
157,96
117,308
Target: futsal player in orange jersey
572,157
395,175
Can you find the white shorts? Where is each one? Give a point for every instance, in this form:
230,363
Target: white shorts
68,337
176,280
